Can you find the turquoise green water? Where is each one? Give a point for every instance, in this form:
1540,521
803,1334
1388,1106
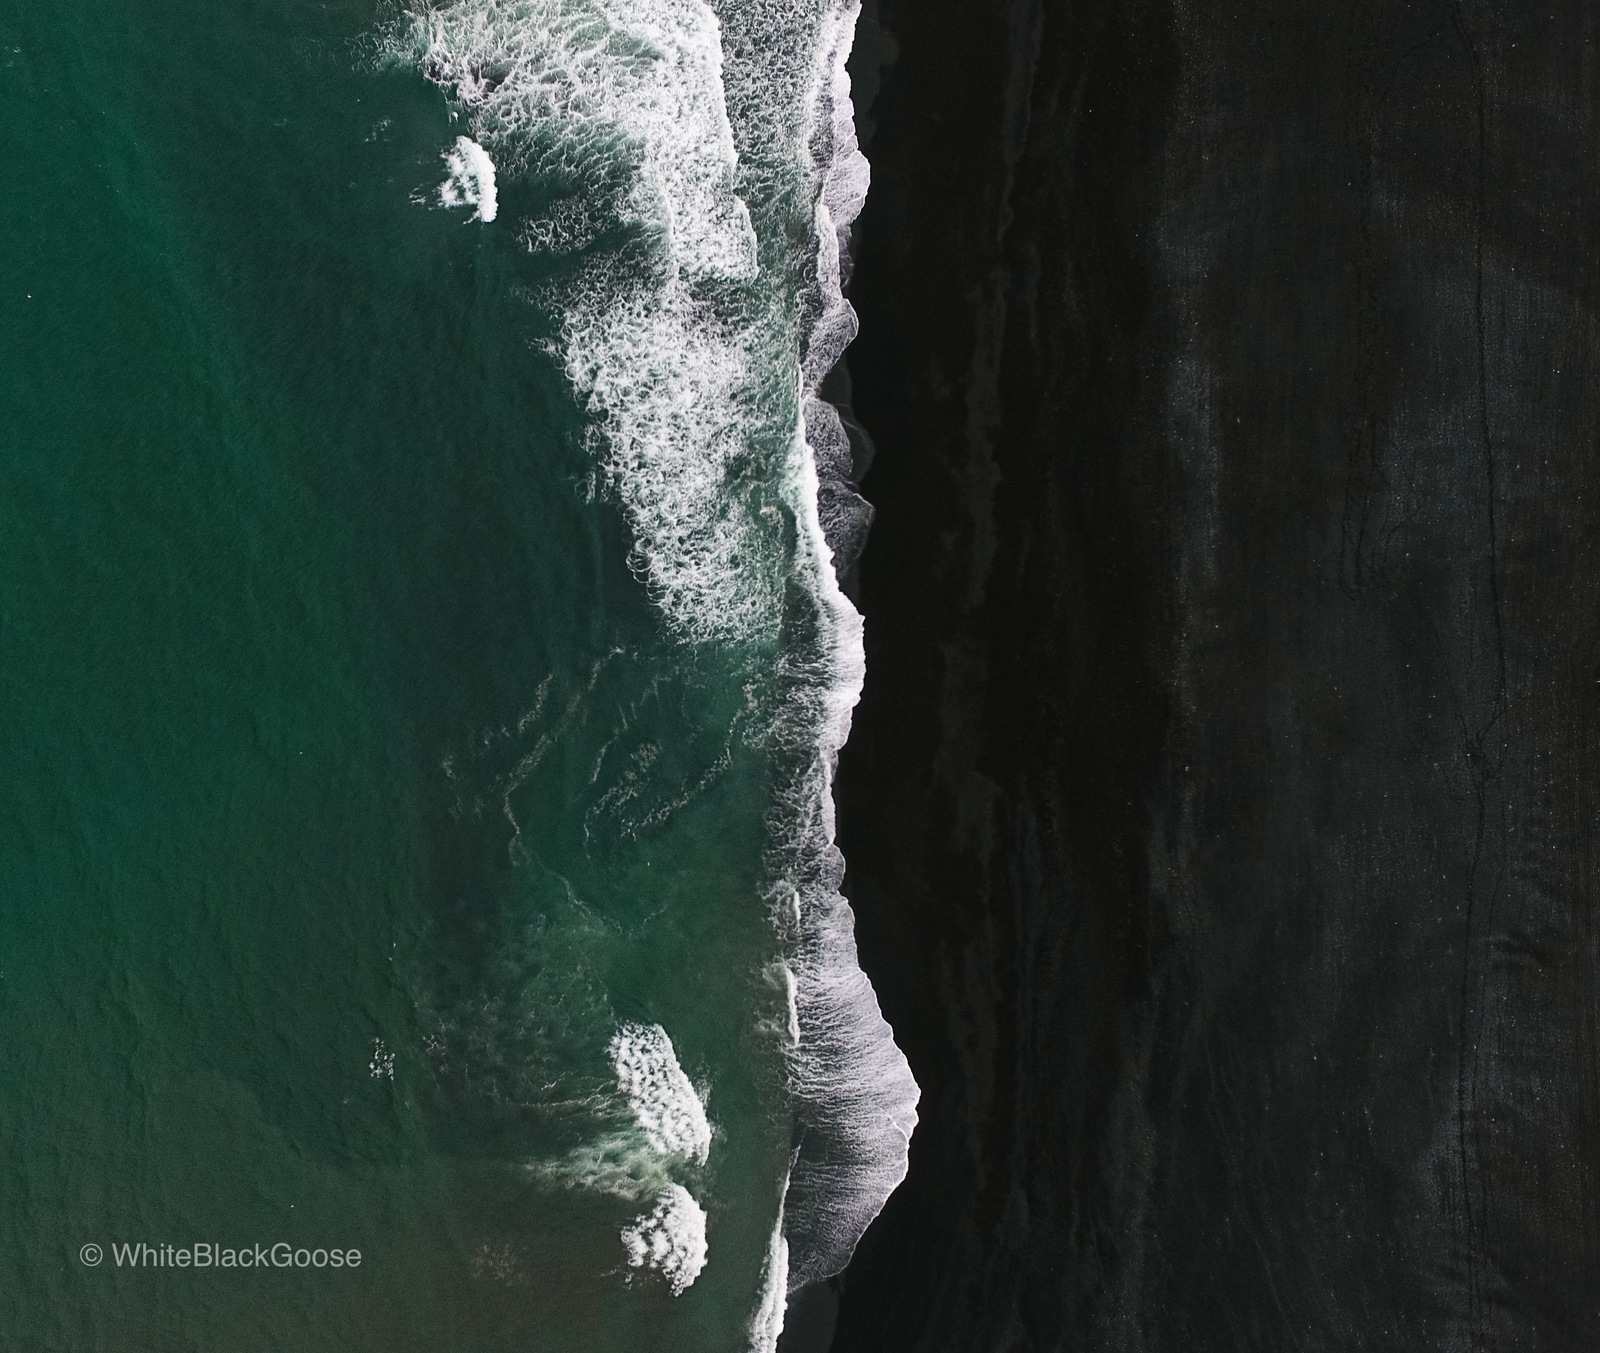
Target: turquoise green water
393,716
416,670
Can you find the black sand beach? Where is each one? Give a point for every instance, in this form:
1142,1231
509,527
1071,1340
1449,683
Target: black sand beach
1221,808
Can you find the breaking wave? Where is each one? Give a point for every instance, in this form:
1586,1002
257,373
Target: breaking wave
471,182
669,1127
670,1239
663,1101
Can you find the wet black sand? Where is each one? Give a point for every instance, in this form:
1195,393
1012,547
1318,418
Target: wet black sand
1221,809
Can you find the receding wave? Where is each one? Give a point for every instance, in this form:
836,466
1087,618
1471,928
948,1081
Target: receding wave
855,1092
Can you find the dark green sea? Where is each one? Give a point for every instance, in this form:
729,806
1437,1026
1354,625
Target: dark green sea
421,666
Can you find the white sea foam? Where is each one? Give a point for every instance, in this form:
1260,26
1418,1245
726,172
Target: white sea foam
570,88
669,1239
767,1322
381,1067
624,102
857,1094
671,341
668,1131
471,182
791,994
666,386
662,1098
855,1090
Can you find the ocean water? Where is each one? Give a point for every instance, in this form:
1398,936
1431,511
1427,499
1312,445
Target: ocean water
421,667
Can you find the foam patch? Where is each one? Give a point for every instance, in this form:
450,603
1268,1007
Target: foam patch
670,1239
